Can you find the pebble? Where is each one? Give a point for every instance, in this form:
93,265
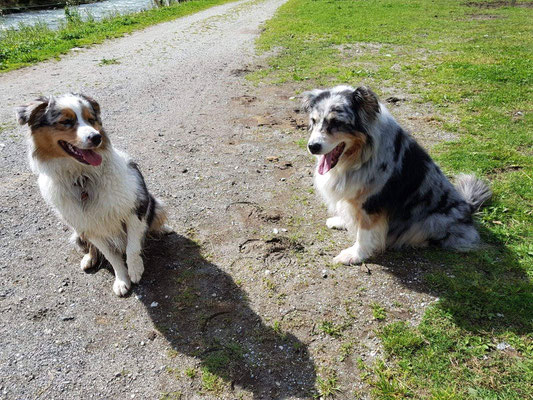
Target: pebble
275,231
154,304
503,346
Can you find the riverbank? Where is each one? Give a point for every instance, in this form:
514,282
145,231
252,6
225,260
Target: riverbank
14,6
31,44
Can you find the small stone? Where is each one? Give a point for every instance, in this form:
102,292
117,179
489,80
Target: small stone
283,179
324,273
67,318
502,346
184,170
142,343
154,304
267,272
275,231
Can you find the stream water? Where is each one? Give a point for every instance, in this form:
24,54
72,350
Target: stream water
54,17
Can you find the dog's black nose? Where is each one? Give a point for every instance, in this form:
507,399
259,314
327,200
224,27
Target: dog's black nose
314,148
95,138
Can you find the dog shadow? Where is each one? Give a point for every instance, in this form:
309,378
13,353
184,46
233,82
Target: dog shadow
486,290
203,313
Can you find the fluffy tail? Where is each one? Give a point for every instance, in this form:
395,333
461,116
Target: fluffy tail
473,189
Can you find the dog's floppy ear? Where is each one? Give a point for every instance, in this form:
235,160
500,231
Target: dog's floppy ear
366,102
94,104
33,112
309,98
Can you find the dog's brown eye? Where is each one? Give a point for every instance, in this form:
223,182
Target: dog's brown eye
67,122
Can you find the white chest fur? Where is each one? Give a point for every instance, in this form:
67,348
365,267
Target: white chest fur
94,201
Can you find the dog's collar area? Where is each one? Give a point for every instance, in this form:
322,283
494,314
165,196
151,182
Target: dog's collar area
81,182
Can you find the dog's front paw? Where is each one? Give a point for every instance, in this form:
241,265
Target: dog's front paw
121,287
88,262
351,255
135,269
335,223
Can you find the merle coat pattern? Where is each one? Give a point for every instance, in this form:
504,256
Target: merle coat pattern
379,183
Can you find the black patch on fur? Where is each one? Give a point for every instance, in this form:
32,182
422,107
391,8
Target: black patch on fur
145,206
82,244
312,100
398,143
365,101
439,241
336,125
395,195
151,212
383,167
38,117
416,200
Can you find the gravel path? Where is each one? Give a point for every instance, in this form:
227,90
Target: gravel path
237,295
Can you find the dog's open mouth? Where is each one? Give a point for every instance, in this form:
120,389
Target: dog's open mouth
328,161
84,156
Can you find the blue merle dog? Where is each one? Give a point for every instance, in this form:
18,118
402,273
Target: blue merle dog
379,183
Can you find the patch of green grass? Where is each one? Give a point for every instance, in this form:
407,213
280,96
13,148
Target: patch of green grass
331,329
190,372
472,67
108,61
223,360
327,384
186,298
399,339
211,382
345,350
171,396
378,312
31,44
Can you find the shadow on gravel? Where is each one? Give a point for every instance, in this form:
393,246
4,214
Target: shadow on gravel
486,290
203,313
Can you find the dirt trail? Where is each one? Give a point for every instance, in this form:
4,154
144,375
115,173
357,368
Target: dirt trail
241,292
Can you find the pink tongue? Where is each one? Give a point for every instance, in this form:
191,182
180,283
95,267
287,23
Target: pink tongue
325,163
91,157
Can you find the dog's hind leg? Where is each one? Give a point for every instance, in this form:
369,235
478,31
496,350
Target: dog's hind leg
122,280
159,225
136,229
90,259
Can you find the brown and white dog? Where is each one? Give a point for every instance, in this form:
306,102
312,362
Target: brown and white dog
94,188
379,183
